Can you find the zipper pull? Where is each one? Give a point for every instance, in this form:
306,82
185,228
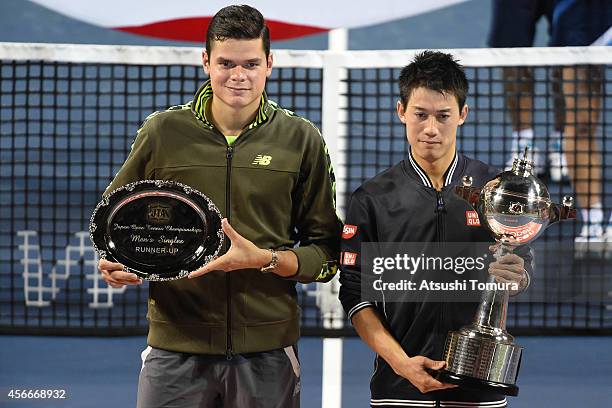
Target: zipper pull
228,355
230,151
440,204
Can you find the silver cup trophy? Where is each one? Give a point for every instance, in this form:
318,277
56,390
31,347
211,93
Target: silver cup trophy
515,206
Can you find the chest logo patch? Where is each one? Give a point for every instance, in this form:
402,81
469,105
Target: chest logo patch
348,258
471,219
349,231
262,160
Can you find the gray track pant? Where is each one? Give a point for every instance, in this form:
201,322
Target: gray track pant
268,379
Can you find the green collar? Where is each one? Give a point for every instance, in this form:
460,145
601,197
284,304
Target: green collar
205,93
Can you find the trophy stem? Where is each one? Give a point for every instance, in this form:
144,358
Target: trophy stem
493,308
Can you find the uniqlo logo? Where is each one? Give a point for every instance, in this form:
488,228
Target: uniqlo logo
349,231
348,258
471,218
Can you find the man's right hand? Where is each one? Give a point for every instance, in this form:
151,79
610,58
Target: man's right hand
114,275
415,369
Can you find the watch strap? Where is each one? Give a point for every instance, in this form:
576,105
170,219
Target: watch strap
273,263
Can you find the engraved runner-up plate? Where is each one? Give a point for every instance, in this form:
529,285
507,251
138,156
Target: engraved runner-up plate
159,230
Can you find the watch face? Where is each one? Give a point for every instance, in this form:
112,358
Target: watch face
159,230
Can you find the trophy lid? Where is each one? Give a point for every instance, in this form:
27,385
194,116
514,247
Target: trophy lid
520,181
523,166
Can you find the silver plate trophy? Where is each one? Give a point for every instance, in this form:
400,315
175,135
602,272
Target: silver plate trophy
159,230
516,208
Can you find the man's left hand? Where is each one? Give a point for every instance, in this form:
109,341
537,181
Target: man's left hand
510,268
242,254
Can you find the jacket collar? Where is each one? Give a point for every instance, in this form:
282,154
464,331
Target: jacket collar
452,173
204,95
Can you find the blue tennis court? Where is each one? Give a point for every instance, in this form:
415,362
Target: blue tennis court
563,372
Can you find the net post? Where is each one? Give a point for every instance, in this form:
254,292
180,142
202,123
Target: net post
334,121
337,39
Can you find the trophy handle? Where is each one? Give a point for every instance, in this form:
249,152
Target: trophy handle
561,212
468,193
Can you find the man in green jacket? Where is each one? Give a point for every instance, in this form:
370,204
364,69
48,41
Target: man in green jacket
226,336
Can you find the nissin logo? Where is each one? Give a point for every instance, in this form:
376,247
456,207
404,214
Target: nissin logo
349,231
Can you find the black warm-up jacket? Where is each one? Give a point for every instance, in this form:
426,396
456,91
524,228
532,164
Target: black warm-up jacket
401,205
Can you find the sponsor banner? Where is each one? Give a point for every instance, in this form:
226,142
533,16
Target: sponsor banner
187,20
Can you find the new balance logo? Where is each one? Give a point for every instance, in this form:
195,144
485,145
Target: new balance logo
262,160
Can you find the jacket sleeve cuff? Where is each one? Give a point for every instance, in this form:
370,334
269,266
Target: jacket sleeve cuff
313,265
359,306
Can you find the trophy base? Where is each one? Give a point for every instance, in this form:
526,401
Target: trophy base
477,384
475,359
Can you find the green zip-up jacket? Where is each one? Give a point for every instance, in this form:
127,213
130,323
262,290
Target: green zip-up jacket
275,184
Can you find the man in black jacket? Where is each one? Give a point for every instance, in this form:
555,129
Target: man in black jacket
413,201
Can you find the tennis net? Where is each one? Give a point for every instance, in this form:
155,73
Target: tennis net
70,112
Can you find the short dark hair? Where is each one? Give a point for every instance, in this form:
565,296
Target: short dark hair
436,71
238,22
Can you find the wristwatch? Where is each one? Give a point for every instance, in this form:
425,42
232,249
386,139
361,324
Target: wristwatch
273,263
